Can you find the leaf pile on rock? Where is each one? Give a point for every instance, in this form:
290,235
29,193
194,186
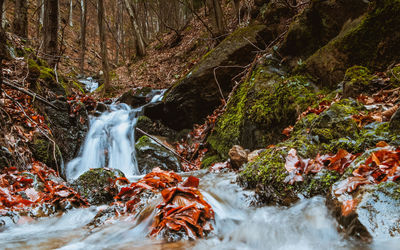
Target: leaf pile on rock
382,165
24,190
183,208
296,166
381,107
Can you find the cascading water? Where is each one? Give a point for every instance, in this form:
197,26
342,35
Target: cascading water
110,141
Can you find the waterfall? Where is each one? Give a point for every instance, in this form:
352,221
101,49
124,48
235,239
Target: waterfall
110,141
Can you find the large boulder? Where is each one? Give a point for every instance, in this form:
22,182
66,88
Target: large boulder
151,154
317,25
371,40
260,109
197,94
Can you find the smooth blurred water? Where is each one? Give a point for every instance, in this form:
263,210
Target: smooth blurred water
110,143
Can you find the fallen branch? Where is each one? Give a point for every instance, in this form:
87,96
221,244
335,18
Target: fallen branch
34,95
164,146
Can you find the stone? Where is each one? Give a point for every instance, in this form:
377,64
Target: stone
96,185
150,155
375,215
197,94
237,156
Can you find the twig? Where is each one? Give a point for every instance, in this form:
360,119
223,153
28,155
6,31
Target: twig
34,95
162,144
216,80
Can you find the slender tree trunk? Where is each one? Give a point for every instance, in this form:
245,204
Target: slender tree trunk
71,8
141,50
20,24
83,4
237,9
3,14
217,16
50,31
3,50
103,45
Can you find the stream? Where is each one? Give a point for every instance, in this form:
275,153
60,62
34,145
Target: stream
238,225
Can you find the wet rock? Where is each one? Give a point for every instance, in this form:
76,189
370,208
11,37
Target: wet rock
101,107
154,128
135,98
237,156
371,41
317,25
69,131
96,185
150,155
376,214
197,94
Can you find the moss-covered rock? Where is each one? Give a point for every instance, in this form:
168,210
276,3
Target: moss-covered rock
96,185
150,155
43,150
260,109
317,25
370,41
328,132
196,95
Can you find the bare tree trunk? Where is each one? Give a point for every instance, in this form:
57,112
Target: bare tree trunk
83,34
3,49
50,31
40,14
141,50
103,45
20,24
237,9
3,14
217,16
71,8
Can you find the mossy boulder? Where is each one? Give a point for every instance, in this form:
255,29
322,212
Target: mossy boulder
260,109
196,95
328,132
317,25
151,154
47,152
97,186
371,41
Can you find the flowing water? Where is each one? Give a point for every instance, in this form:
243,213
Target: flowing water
238,225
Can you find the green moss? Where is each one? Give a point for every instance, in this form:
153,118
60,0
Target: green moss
78,86
359,74
42,150
208,160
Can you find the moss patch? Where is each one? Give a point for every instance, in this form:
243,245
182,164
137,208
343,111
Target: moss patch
260,109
